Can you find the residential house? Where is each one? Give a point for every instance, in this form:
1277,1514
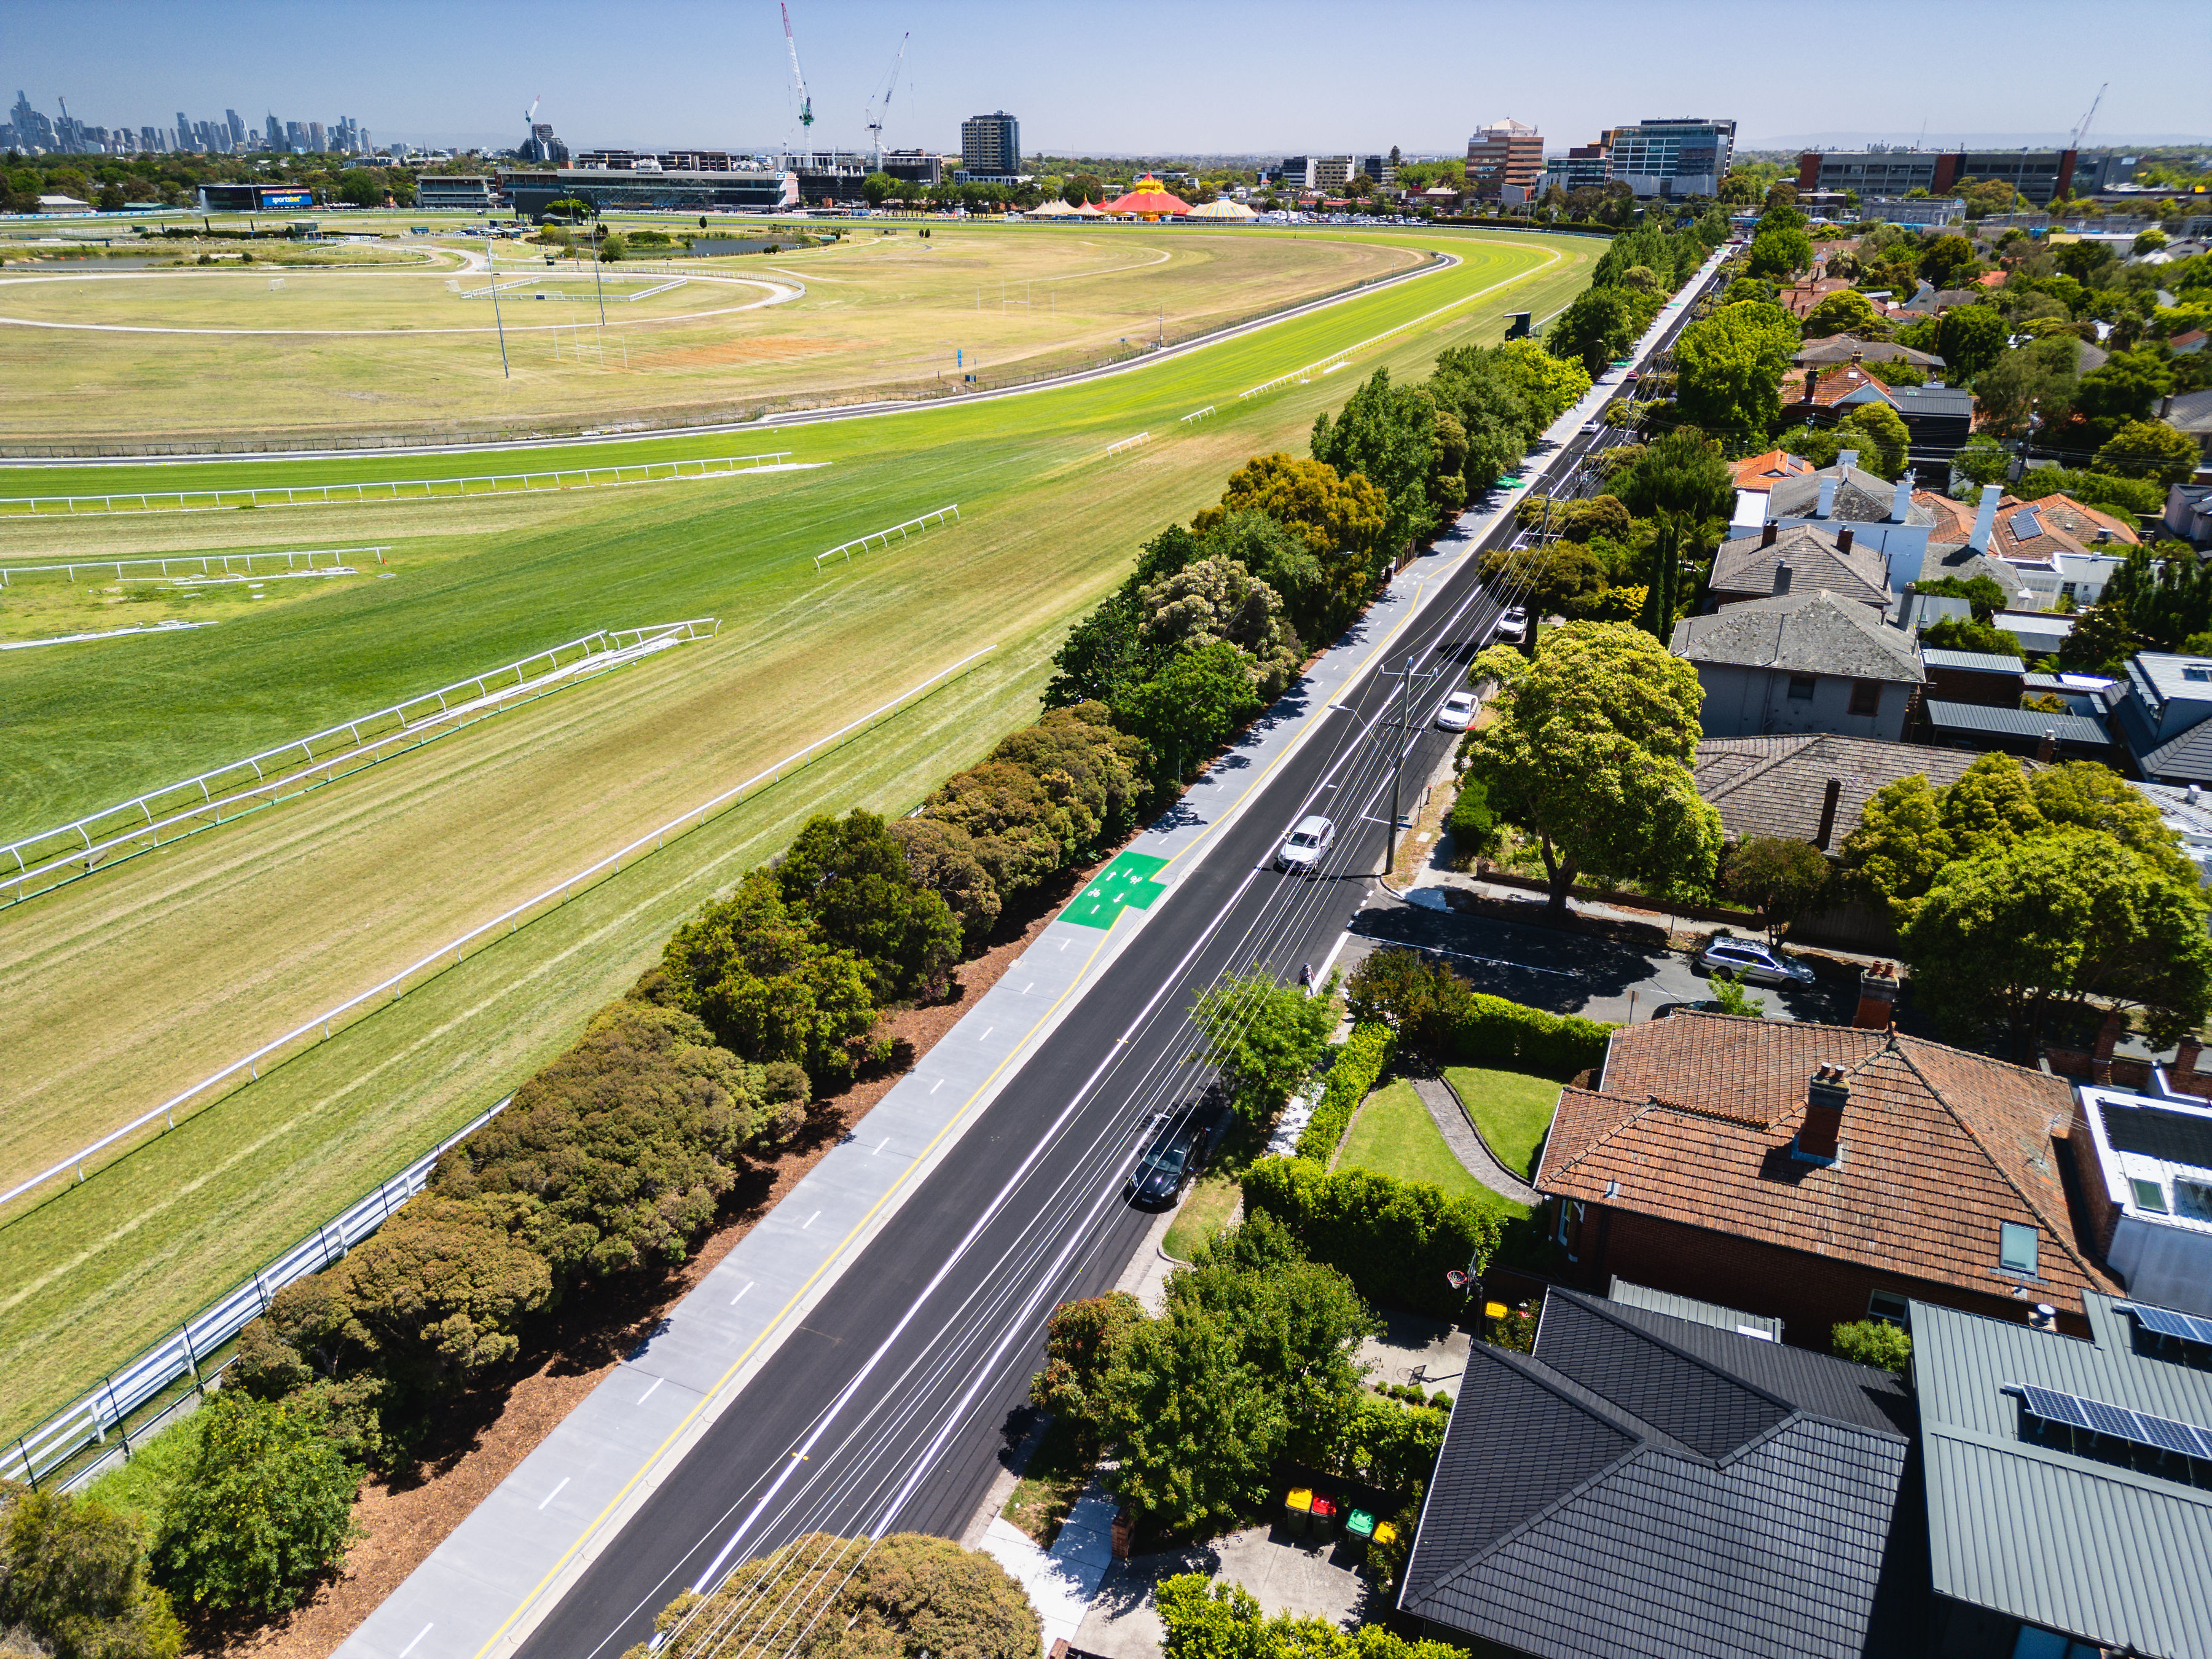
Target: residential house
2068,1483
1801,662
1644,1483
2023,732
1824,1173
1757,474
1934,415
1849,348
1886,517
1810,786
1775,561
2160,712
1986,679
1798,298
2053,549
2190,413
2188,509
2145,1165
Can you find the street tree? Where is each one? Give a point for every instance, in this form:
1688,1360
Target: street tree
1387,435
2148,449
1777,251
2122,391
1587,752
1845,312
1600,325
1265,1039
1970,339
1729,366
1683,482
1780,878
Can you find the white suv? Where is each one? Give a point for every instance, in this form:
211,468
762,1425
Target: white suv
1302,848
1754,961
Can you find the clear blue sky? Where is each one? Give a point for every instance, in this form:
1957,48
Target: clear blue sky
1128,78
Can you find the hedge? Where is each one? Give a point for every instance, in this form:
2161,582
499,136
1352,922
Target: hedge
1395,1240
1358,1063
1492,1031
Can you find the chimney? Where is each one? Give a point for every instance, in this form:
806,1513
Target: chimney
1844,539
1827,502
1783,577
1812,383
1850,458
1858,355
1985,520
1767,535
2165,406
1825,1096
2047,746
1877,998
1828,813
1900,500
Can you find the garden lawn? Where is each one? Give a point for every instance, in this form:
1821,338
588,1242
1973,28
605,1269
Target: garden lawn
1051,1481
1393,1135
1512,1108
1205,1212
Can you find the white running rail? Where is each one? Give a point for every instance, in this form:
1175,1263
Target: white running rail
208,563
389,490
1141,438
61,1436
1196,415
456,949
901,531
51,858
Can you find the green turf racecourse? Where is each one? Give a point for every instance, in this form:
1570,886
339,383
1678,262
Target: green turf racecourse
90,1272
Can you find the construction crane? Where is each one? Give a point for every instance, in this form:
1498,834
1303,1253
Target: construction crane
2082,132
805,104
530,115
880,105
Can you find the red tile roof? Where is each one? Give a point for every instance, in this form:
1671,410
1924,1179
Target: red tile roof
1838,382
1697,1115
1759,471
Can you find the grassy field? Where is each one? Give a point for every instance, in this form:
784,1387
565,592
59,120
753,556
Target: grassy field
1512,1109
1394,1135
400,349
118,991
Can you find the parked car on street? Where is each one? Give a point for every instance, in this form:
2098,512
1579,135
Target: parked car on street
1513,626
1458,712
1177,1151
1302,848
1752,961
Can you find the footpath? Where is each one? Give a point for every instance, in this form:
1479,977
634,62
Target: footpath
486,1587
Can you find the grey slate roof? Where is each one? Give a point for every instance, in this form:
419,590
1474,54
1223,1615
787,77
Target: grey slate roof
2015,722
1623,1294
1630,1490
1745,567
1776,786
1932,400
1839,347
2094,1549
1861,497
1802,633
2192,413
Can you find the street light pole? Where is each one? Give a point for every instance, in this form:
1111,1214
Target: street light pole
491,270
1398,769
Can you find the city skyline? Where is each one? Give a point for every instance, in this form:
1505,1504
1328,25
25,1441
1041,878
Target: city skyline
129,63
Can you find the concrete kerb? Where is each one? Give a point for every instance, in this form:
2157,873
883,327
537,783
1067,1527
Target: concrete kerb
452,1570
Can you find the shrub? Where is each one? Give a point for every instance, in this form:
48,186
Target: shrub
1081,1338
1873,1342
269,1506
1359,1062
1048,796
73,1577
1388,1444
941,857
1208,1618
1395,1240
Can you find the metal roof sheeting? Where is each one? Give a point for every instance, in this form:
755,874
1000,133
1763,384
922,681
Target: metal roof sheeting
2015,722
1702,1313
2052,1537
1978,662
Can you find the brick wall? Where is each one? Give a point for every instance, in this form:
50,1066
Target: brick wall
2099,1211
1812,1293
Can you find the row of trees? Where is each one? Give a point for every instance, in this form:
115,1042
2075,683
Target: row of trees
112,182
1627,288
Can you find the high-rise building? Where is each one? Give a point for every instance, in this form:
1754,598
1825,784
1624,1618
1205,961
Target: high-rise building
1331,172
2037,174
275,129
237,128
295,135
315,136
1584,166
541,146
1296,172
991,145
1383,169
184,131
1686,155
33,130
1506,154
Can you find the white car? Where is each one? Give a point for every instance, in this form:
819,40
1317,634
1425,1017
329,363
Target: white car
1302,848
1752,961
1458,712
1514,625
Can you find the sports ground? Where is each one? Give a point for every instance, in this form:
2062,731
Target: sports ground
120,990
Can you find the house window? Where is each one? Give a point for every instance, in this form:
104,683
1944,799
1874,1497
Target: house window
1570,1229
1800,688
1887,1307
2149,1196
1866,696
2016,1247
2034,1644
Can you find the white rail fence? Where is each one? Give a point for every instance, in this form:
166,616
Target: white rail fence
89,1420
208,564
620,297
1195,415
901,531
320,1027
52,858
389,490
1129,443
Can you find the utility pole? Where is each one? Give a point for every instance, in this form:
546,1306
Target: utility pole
492,271
1404,724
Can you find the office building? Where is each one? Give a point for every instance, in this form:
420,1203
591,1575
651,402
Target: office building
915,166
183,132
1296,172
1506,154
542,147
1380,168
991,146
1584,166
1331,172
2037,174
276,133
237,125
1675,157
315,136
33,130
613,180
149,138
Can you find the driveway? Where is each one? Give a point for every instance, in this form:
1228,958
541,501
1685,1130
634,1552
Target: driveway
1566,973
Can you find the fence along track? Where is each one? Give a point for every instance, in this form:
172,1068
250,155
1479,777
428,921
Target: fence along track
34,1455
390,490
207,562
53,858
901,531
320,1027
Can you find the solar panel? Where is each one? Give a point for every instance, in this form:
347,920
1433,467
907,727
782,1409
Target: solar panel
2165,1321
2140,1428
2026,527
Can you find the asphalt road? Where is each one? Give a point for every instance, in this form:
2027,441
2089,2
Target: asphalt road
888,1409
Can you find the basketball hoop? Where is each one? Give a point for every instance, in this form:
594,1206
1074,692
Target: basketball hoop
1456,1279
